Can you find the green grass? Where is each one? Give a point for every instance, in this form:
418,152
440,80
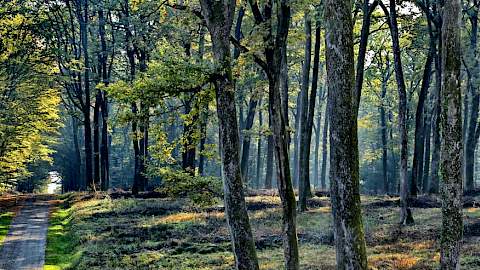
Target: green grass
163,234
5,221
61,251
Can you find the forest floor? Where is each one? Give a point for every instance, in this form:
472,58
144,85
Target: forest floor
99,232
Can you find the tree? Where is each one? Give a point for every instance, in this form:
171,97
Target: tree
273,46
472,129
303,161
452,144
219,18
344,169
405,213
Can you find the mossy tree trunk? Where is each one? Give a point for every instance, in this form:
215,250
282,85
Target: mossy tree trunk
452,143
344,168
219,19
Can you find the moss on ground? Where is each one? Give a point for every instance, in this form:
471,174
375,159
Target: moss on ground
163,234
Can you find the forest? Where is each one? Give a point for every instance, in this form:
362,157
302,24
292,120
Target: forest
239,134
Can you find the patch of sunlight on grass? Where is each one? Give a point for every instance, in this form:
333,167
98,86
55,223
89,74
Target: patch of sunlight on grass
182,217
311,257
393,261
5,221
60,252
472,212
264,199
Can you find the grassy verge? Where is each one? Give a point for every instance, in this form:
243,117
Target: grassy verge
61,251
5,221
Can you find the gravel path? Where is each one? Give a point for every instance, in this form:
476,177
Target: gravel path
24,246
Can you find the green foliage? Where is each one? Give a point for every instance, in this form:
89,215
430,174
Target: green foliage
202,191
28,98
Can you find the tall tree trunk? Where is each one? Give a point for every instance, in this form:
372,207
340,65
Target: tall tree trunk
252,106
435,177
428,134
472,130
96,139
296,141
303,161
405,213
362,50
383,127
203,139
219,18
284,89
143,125
203,117
259,150
101,171
393,179
136,187
104,149
344,167
189,146
316,163
78,160
417,164
323,173
305,191
452,143
83,18
274,46
270,158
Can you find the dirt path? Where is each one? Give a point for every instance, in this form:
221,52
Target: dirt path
24,246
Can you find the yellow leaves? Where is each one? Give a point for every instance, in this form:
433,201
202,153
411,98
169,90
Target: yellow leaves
365,122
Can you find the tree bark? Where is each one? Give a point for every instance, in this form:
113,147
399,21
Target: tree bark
472,130
296,141
219,19
189,146
428,134
259,150
362,50
96,139
78,160
435,177
270,158
452,143
323,173
344,167
303,161
274,46
316,164
83,18
203,113
417,164
383,127
252,106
